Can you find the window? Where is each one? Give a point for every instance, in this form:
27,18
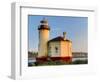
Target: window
56,49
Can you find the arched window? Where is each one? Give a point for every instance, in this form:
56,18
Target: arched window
56,49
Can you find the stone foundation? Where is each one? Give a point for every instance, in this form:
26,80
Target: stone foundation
45,59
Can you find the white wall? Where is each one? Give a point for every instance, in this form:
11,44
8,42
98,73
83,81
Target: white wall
5,34
53,45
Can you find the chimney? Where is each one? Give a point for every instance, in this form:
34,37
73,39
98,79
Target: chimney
64,35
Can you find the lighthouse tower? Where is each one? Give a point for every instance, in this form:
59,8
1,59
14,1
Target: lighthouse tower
43,38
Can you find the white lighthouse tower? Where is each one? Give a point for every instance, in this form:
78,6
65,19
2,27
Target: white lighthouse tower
43,38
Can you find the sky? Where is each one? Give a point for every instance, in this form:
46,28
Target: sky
75,27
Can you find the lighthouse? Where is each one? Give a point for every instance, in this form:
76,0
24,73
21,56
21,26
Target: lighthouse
43,38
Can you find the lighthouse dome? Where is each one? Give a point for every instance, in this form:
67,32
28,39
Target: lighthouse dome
44,21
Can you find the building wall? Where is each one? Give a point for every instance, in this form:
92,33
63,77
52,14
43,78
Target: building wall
66,49
70,49
43,39
52,51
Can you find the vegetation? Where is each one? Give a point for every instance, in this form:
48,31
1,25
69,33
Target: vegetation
32,54
58,62
80,62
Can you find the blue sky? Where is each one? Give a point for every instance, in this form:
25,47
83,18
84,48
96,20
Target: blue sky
75,27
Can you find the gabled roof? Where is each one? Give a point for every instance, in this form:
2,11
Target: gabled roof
59,38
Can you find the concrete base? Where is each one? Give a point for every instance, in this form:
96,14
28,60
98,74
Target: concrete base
45,59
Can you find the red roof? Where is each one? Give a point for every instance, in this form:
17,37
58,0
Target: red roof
59,38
